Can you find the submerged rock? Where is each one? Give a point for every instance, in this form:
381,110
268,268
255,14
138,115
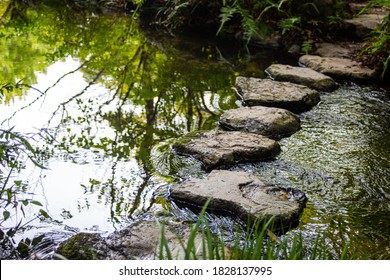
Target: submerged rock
87,246
265,92
215,148
338,67
242,195
142,239
301,75
272,122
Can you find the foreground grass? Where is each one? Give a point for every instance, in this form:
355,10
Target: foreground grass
257,243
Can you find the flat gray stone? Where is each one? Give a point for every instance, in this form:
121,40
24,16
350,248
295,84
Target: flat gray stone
224,148
338,67
363,25
301,75
242,195
142,239
286,95
326,49
87,246
271,122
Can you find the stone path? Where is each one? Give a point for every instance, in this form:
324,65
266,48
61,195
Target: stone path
301,75
268,109
343,68
361,25
338,59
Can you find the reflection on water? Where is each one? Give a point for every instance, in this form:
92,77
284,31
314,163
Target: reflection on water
103,94
110,98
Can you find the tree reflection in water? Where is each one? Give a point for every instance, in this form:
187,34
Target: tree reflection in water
135,92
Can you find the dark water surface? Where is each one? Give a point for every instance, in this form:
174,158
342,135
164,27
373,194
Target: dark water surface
109,98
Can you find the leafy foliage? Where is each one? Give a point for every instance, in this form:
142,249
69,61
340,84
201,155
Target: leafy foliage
297,20
248,23
15,149
377,49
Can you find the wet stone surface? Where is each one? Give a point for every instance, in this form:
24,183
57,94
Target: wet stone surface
224,148
139,241
87,246
286,95
361,26
338,67
242,195
336,50
271,122
301,75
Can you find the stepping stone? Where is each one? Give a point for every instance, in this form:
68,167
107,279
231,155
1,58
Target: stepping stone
362,25
224,148
87,246
338,67
334,50
272,122
286,95
242,195
140,240
301,75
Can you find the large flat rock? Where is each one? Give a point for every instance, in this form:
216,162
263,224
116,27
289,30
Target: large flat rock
286,95
242,195
327,49
301,75
142,239
272,122
224,148
362,25
338,67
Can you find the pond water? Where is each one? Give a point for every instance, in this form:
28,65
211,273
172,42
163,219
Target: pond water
102,99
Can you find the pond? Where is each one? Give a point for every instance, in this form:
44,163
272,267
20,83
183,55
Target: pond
102,99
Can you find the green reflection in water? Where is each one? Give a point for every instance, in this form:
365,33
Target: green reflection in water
109,94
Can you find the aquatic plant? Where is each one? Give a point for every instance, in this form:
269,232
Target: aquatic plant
257,242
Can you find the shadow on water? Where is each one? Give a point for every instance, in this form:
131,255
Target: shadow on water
112,98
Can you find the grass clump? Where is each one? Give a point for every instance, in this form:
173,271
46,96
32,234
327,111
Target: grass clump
258,242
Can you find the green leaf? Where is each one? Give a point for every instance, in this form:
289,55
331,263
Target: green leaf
6,215
226,15
36,202
37,163
9,195
44,214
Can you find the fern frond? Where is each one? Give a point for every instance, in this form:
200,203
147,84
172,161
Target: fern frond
226,15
